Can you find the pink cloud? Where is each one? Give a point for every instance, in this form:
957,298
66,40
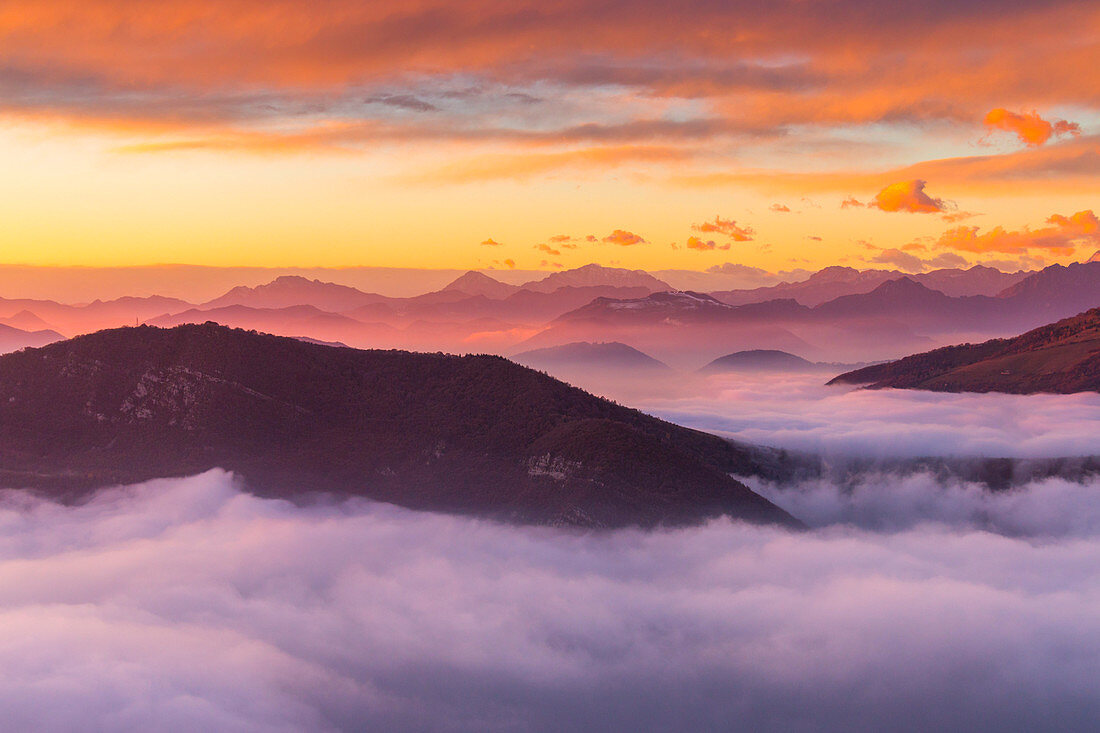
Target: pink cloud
1029,127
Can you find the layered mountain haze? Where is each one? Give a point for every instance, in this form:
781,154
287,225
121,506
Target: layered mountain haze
14,339
836,281
891,315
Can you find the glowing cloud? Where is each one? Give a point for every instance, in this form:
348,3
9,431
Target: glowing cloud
704,245
907,196
727,227
1032,129
624,238
490,242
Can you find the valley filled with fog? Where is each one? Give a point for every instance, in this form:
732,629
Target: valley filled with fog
187,603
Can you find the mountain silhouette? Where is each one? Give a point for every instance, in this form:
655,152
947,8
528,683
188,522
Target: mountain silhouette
1062,357
474,435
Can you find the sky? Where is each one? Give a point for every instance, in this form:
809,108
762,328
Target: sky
486,134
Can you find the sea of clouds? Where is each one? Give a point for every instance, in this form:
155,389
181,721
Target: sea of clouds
186,604
797,411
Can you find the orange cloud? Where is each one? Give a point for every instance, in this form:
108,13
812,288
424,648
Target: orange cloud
624,238
907,196
1032,129
547,249
780,208
704,245
490,242
727,227
1064,235
851,202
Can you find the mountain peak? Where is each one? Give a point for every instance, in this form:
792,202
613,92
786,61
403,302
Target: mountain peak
902,286
593,275
290,290
1094,258
478,283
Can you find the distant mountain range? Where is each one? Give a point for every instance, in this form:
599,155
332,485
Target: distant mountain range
897,316
834,282
861,316
474,435
12,338
1063,357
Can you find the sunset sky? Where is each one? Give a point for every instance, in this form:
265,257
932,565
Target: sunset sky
479,133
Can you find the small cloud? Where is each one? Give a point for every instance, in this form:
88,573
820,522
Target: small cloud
733,268
851,202
899,259
490,242
591,238
547,249
559,238
1023,262
510,264
954,216
726,227
907,196
813,237
624,238
780,208
402,101
1029,127
704,245
948,260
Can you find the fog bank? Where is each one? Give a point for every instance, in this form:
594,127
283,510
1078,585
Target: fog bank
186,604
797,411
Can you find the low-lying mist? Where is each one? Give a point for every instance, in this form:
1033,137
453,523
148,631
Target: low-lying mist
797,411
187,604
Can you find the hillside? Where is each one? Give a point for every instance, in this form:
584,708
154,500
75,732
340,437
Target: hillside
474,435
12,338
764,360
586,355
1063,357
